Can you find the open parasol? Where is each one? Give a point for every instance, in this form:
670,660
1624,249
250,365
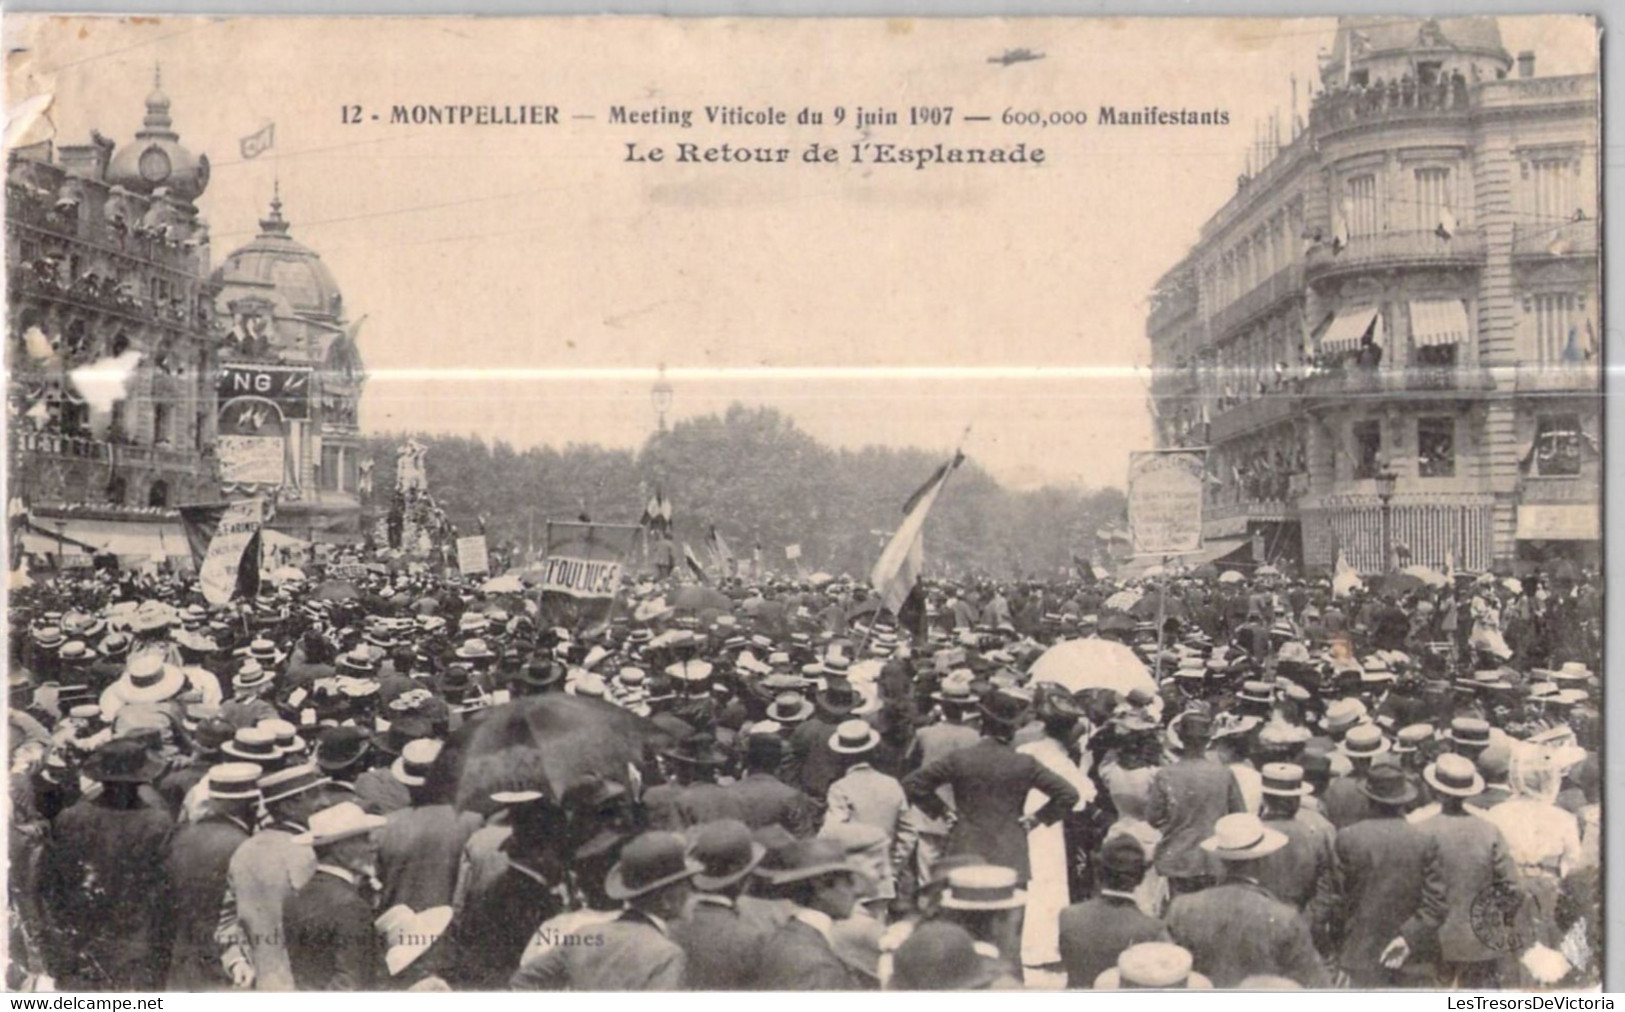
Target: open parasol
1231,576
548,743
1076,665
508,583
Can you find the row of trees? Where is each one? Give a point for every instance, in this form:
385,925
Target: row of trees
760,480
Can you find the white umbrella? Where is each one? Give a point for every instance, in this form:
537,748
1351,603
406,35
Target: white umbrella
819,579
1076,665
1231,576
1267,571
1513,584
1427,574
1123,600
508,583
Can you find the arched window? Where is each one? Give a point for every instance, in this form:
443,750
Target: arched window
158,495
117,489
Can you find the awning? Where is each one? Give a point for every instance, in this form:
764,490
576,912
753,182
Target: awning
1559,522
1348,331
1440,321
1212,549
119,537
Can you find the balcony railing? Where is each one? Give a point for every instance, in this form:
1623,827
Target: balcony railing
1283,284
1540,241
107,294
1254,414
174,251
1398,249
1416,379
1354,107
1562,377
101,451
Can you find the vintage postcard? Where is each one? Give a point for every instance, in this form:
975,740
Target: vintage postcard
725,504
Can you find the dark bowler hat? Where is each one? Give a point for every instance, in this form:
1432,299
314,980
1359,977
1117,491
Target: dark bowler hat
726,852
650,862
340,748
122,761
286,783
1388,785
1123,854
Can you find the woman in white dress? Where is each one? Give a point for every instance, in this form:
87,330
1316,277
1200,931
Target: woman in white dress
1047,892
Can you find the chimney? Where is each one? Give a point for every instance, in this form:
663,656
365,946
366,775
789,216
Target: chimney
1526,63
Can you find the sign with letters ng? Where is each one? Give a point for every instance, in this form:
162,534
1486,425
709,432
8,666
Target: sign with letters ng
286,386
1165,490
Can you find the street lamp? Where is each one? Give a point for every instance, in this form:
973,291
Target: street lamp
661,394
1387,478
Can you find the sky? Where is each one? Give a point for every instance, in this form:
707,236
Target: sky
525,283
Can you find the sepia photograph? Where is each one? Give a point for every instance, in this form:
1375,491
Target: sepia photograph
729,504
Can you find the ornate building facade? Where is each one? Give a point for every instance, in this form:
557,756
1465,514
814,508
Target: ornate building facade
290,386
1389,336
107,260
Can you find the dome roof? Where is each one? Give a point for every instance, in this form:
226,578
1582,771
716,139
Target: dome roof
155,159
276,260
1379,35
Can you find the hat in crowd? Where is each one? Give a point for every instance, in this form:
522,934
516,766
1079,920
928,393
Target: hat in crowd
726,853
1387,784
252,676
294,780
253,744
853,737
402,731
983,887
1571,672
148,678
941,956
340,748
1469,731
415,761
1242,836
1344,714
1495,762
1152,965
956,688
1284,780
789,708
338,822
49,637
1412,737
543,672
800,860
75,652
475,649
839,696
699,749
122,761
264,651
1455,775
1004,708
1364,741
651,861
286,734
358,660
234,781
1256,692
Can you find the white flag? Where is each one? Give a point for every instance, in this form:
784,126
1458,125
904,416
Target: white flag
900,564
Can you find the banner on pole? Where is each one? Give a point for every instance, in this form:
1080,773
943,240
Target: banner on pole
231,566
472,555
1165,490
586,560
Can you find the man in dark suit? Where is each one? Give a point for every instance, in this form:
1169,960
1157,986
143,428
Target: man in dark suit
823,886
1095,932
1299,874
723,940
1187,799
1387,889
332,945
635,951
1237,929
811,764
199,857
765,800
420,847
990,781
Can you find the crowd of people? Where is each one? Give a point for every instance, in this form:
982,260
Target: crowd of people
402,781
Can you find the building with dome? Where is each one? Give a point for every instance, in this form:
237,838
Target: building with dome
1388,337
107,260
290,385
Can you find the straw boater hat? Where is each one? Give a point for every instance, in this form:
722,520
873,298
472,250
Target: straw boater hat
1284,780
789,708
983,887
475,649
1241,836
1152,965
264,651
148,678
1364,741
854,737
415,762
252,676
254,745
234,782
1455,775
359,660
75,652
340,822
651,861
287,735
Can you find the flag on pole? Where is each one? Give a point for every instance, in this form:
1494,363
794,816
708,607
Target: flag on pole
900,564
724,556
256,144
694,566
